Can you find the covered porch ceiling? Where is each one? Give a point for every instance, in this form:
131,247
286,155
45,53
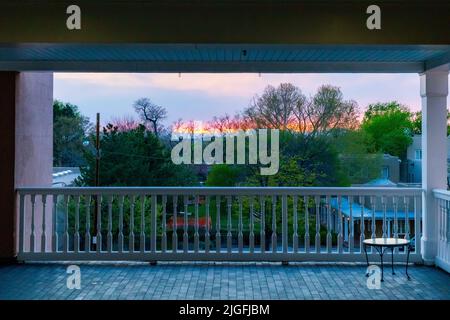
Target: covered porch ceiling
222,57
224,36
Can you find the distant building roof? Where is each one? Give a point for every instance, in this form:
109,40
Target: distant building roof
380,182
357,210
387,156
65,176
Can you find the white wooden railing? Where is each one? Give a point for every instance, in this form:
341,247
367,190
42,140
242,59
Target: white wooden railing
443,242
216,224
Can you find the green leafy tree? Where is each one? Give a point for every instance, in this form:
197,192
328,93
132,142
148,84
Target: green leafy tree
222,175
388,128
134,158
304,161
316,158
356,163
70,128
417,122
307,154
291,173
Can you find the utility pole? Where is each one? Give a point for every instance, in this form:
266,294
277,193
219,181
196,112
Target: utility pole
97,148
97,177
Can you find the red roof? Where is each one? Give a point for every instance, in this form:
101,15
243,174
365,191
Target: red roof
202,222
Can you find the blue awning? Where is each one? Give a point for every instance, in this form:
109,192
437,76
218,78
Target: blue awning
357,209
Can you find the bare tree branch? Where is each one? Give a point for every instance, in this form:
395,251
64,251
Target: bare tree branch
150,112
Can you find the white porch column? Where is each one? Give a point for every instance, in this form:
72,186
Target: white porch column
34,144
433,90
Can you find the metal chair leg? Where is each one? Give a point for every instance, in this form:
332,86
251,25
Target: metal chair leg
367,259
392,259
407,263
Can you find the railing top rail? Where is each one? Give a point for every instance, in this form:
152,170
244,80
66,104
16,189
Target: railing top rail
310,191
441,194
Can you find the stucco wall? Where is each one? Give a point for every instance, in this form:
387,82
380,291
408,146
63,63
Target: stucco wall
414,171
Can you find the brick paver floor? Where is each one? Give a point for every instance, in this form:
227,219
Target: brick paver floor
218,281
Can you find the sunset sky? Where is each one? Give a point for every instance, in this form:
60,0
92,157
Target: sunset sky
202,96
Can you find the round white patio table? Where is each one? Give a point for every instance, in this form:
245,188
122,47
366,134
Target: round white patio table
383,244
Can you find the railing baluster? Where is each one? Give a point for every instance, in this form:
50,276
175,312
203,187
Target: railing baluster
44,227
109,237
384,205
22,223
373,222
328,211
340,238
164,224
406,200
263,224
98,238
196,235
446,227
55,244
229,225
87,235
395,222
66,224
295,225
439,206
317,240
395,205
32,234
362,227
185,228
142,234
131,236
251,236
443,206
284,224
351,239
307,236
445,223
218,236
274,223
207,227
76,236
240,227
153,223
174,224
120,237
